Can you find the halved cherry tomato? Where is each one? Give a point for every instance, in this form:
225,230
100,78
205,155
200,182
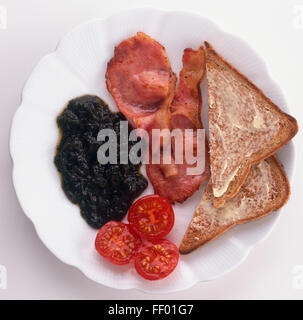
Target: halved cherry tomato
152,217
116,242
156,259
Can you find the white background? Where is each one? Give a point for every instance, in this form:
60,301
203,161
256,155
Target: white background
34,27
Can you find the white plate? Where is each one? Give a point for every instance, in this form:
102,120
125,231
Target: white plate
77,67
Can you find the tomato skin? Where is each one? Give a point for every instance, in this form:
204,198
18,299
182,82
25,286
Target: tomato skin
117,242
156,259
151,217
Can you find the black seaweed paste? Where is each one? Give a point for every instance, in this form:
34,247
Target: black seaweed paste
103,192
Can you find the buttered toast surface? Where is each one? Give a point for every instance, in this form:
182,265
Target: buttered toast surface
245,126
265,190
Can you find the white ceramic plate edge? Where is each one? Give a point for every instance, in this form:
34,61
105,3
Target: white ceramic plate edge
44,240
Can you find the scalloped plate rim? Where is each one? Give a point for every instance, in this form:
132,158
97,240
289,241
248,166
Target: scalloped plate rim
12,147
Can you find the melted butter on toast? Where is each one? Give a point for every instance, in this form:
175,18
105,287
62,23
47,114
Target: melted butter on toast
265,190
239,123
260,187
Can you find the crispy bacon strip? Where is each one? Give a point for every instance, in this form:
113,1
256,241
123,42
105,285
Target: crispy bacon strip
186,106
185,114
141,81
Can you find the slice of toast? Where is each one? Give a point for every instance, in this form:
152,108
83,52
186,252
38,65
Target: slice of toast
245,126
265,190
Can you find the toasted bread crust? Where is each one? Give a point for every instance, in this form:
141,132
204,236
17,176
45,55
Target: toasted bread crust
234,187
288,128
196,234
